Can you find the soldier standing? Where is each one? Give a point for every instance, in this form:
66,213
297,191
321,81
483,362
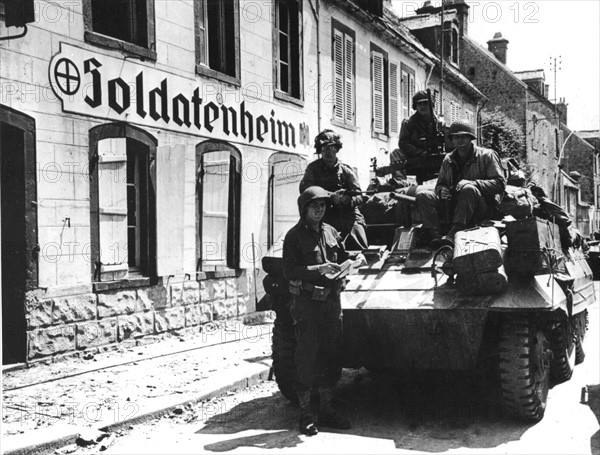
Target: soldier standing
312,250
341,181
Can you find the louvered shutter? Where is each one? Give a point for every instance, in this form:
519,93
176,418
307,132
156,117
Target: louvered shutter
215,175
286,176
393,81
338,75
112,208
405,97
377,86
349,79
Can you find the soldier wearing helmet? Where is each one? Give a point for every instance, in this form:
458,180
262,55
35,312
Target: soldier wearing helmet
415,133
470,183
312,251
341,181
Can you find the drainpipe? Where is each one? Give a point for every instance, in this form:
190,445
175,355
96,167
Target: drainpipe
478,119
315,11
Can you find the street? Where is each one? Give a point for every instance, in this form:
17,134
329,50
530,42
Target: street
432,413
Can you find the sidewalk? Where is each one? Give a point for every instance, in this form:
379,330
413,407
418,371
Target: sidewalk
49,405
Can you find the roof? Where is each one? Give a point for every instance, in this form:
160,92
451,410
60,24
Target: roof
421,21
588,134
530,74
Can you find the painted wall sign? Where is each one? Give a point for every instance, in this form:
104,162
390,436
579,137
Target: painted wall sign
110,88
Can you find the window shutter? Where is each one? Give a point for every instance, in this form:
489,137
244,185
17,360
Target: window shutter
170,201
338,72
377,86
201,38
411,87
215,202
112,205
286,176
393,81
405,97
349,79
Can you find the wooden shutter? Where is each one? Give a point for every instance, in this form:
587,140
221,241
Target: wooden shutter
393,81
201,33
338,76
215,173
286,176
377,78
170,202
405,97
349,79
112,208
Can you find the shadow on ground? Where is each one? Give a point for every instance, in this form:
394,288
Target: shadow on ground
433,412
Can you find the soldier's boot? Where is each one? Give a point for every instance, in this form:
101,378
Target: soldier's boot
448,239
435,239
307,420
327,416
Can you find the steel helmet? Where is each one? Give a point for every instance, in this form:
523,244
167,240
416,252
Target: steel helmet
418,97
310,194
462,127
327,137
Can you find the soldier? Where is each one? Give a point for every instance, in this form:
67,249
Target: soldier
470,183
312,250
330,173
415,133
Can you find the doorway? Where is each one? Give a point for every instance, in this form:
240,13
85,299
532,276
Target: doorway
18,217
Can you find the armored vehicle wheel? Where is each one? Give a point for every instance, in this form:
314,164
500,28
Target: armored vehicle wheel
284,366
563,355
524,365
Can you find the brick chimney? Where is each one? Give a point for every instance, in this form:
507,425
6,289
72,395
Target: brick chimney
562,108
498,46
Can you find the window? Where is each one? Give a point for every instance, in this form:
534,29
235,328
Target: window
218,205
127,25
454,111
343,74
122,199
217,39
287,51
450,43
597,196
408,89
470,116
384,96
471,71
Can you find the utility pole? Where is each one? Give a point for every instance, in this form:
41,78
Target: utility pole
442,63
554,66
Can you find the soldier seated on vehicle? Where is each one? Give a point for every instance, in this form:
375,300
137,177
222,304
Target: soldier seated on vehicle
415,136
470,184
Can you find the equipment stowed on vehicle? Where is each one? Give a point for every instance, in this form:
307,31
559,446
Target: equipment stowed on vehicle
523,294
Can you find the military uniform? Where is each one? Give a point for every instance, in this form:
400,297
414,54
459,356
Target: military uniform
472,203
347,219
318,322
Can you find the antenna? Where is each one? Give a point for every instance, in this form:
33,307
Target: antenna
555,65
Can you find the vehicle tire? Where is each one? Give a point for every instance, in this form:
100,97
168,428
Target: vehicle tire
582,326
524,368
284,365
563,355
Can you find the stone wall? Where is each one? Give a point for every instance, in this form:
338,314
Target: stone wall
78,322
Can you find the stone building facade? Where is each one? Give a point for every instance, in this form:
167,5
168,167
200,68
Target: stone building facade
151,153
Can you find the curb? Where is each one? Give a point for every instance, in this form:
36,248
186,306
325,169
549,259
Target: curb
60,435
